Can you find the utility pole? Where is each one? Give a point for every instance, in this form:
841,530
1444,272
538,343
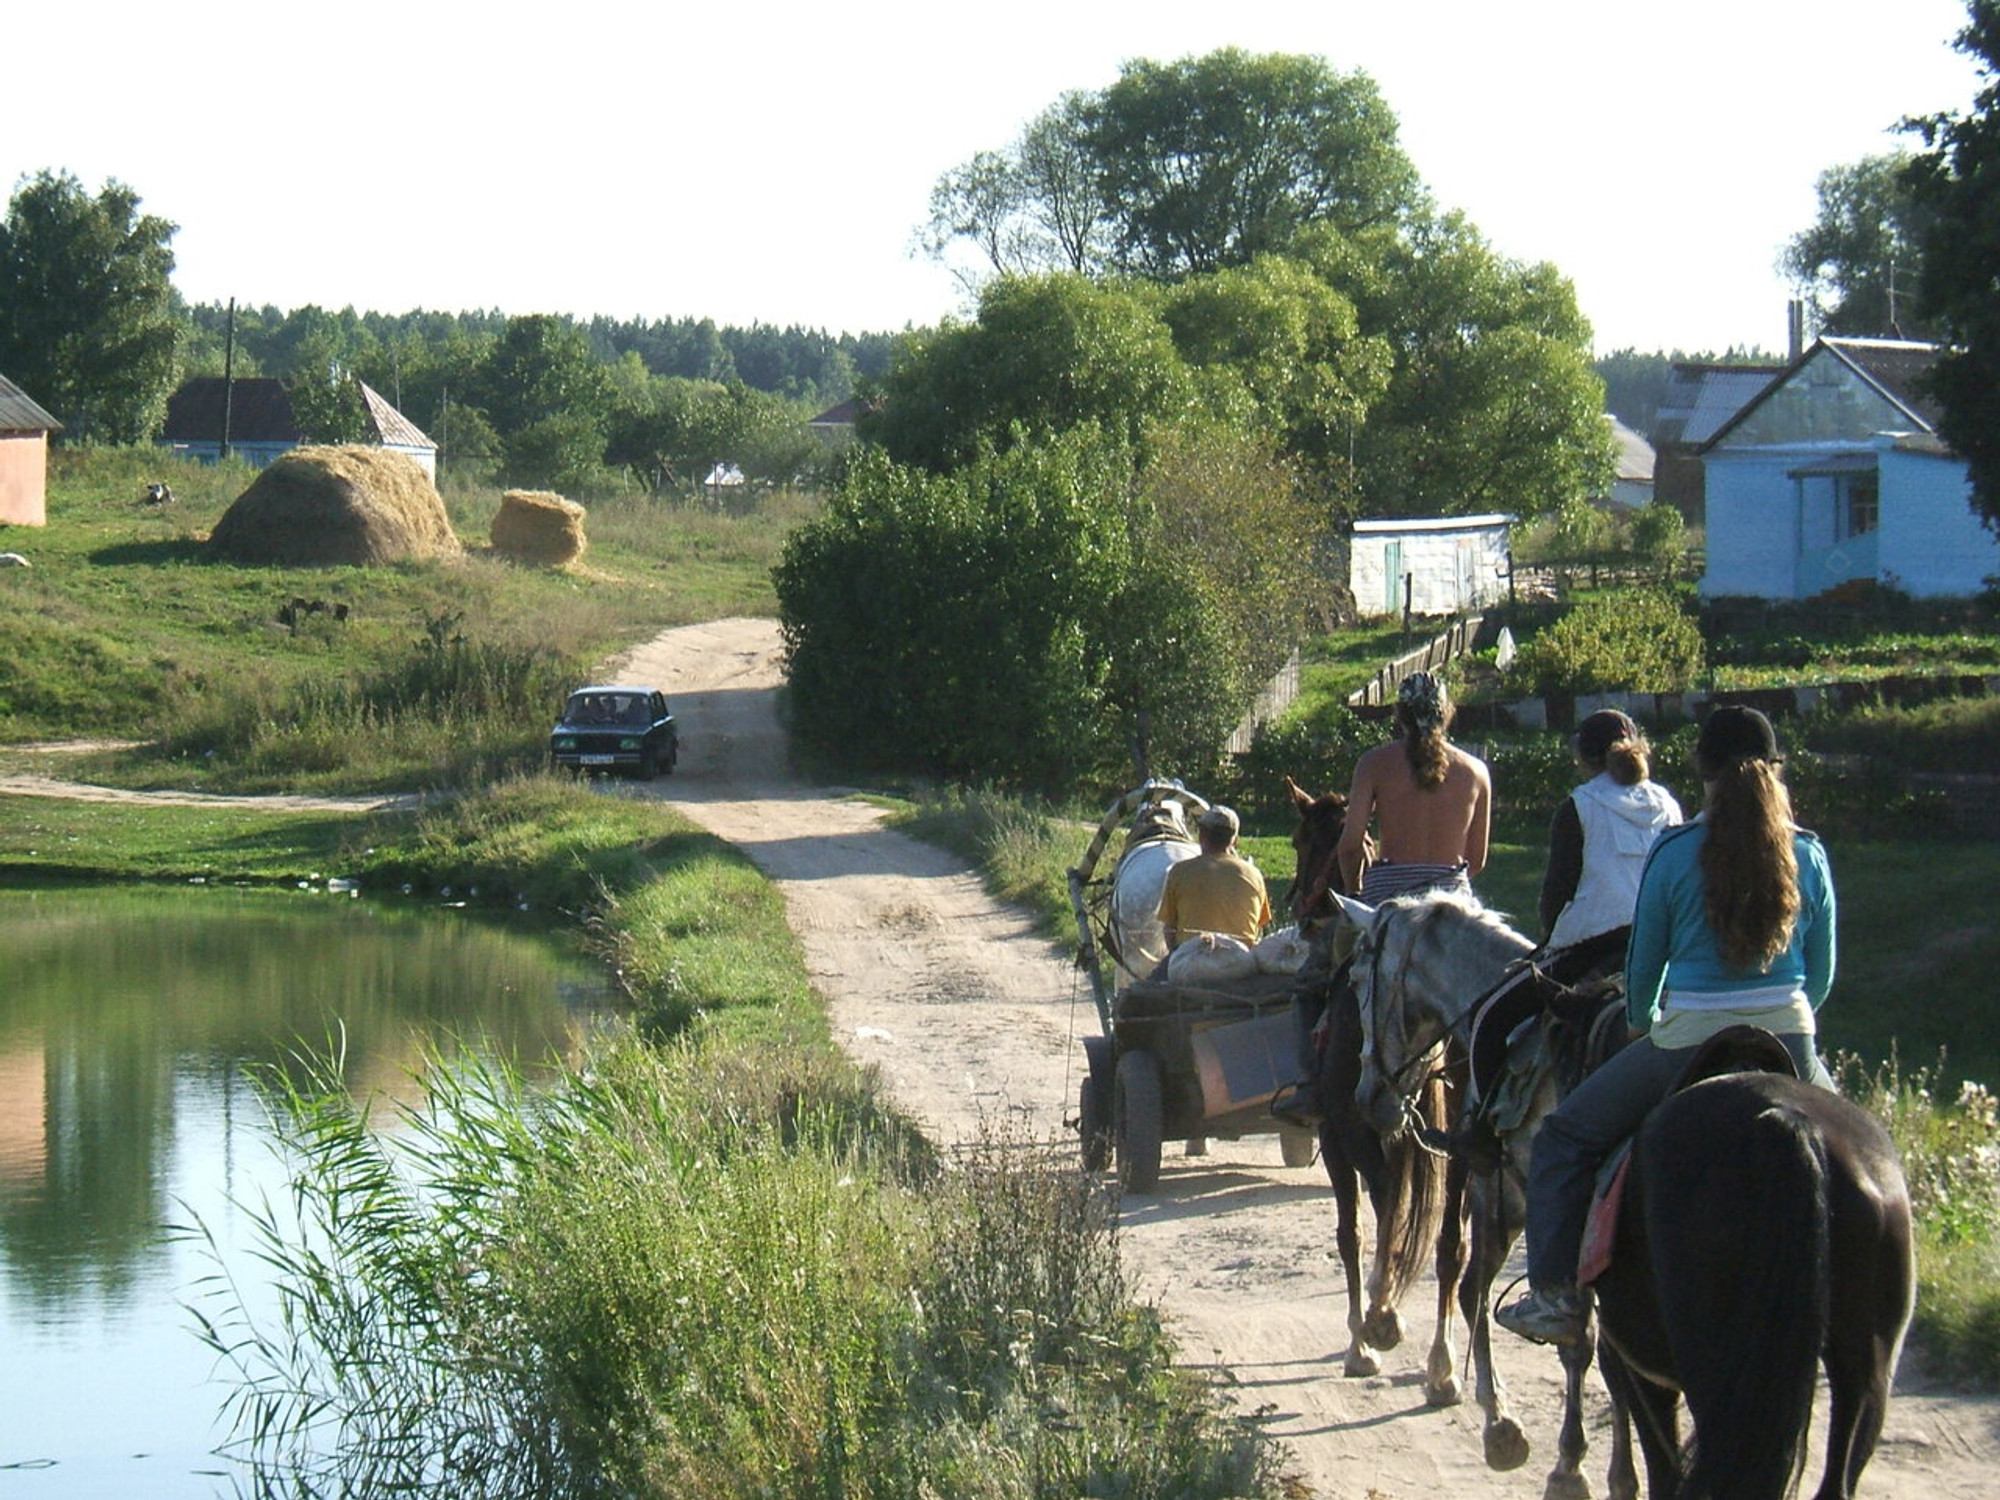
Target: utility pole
228,377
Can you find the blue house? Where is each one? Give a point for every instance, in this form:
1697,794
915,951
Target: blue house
1834,472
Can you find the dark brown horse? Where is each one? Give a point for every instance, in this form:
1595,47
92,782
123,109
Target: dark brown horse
1765,1233
1416,1195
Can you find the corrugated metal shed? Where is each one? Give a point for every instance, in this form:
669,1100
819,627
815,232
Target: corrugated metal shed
19,413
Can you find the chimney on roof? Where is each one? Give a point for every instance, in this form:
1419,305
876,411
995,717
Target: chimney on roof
1795,328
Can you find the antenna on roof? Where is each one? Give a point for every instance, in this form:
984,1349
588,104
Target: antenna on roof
1895,327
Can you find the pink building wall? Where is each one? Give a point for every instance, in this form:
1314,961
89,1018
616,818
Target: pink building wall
24,478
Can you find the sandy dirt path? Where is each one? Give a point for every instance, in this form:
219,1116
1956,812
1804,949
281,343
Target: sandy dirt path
971,1016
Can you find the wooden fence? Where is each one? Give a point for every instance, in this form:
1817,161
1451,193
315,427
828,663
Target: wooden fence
1437,652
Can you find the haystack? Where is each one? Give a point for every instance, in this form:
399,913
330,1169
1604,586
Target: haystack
337,505
534,526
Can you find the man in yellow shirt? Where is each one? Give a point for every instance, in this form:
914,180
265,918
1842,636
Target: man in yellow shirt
1218,890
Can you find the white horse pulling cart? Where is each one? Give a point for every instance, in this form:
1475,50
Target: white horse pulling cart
1176,1061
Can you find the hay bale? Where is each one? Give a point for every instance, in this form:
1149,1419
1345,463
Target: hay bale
534,526
317,506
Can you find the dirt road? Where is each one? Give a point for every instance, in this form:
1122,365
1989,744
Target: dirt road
970,1016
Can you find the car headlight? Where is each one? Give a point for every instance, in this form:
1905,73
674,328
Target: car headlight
565,742
629,742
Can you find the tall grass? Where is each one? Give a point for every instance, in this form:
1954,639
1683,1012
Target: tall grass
1951,1158
694,1273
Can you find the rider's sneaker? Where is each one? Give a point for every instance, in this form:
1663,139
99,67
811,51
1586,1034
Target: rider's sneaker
1548,1315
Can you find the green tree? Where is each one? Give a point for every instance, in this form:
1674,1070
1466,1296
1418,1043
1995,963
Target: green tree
1045,354
88,325
1293,341
1859,265
1954,181
1214,160
956,623
548,396
1492,403
1032,208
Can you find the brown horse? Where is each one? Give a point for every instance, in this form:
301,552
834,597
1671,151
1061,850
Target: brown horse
1416,1195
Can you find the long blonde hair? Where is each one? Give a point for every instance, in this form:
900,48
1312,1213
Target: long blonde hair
1749,867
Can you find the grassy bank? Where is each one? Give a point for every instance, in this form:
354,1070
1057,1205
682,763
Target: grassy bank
429,674
715,1264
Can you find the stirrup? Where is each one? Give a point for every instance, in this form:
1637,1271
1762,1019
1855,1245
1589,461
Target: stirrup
1297,1104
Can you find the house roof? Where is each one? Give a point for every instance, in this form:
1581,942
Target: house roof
19,413
259,412
1892,367
841,415
1635,454
1700,397
392,428
1433,523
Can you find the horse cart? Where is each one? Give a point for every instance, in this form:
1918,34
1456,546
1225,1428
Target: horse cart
1176,1061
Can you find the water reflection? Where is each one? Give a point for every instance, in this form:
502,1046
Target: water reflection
127,1018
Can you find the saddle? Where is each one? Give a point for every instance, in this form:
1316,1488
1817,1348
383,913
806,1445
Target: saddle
1735,1049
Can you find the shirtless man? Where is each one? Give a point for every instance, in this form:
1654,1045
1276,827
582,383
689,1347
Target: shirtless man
1432,803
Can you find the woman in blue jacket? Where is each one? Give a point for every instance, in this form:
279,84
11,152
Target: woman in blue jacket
1734,926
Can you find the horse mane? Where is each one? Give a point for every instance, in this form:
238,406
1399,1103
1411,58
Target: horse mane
1428,909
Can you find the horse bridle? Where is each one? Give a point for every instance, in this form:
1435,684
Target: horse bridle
1316,889
1397,1078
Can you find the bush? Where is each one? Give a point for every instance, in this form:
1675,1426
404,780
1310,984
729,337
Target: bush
1951,1159
1639,640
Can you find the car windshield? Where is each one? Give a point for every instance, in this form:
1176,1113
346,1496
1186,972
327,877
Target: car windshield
607,708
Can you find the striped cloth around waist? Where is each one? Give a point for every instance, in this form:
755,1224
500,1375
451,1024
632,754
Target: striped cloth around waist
1384,881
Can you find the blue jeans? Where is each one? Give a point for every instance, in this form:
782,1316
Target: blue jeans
1582,1131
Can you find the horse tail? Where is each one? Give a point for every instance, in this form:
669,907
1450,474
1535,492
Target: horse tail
1742,1259
1414,1199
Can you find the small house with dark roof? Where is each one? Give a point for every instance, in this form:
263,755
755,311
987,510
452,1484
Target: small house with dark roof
24,457
256,416
1834,473
252,416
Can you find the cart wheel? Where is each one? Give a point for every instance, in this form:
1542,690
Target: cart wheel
1298,1147
1094,1124
1136,1112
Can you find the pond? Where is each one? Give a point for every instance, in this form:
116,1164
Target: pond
127,1020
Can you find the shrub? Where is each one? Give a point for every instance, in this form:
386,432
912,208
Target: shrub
1639,641
1951,1159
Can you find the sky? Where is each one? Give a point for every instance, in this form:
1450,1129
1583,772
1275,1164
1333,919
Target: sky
769,162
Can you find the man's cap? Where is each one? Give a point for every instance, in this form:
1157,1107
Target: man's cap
1603,729
1735,732
1423,695
1218,819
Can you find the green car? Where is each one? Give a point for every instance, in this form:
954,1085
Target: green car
616,729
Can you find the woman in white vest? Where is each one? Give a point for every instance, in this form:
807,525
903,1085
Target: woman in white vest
1598,842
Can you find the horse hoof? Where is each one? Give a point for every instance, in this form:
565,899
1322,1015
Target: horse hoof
1360,1362
1506,1446
1563,1486
1443,1393
1383,1328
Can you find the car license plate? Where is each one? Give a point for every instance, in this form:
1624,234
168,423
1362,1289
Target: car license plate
598,760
